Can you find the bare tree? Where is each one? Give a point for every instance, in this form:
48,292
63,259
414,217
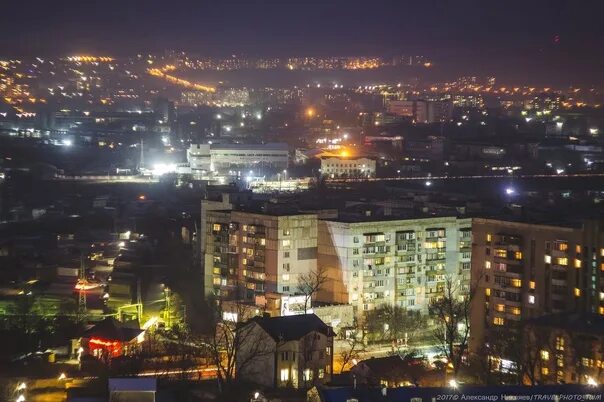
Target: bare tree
309,284
355,348
235,346
393,324
452,314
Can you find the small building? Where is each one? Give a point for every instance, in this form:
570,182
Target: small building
391,371
110,338
335,167
279,352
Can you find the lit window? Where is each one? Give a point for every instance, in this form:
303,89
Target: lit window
498,321
578,249
548,259
501,253
321,373
601,310
487,264
561,246
490,238
516,283
328,351
487,291
602,252
559,343
544,371
307,375
500,307
577,263
284,375
544,355
562,261
286,243
532,284
285,277
262,242
518,255
516,310
216,227
531,299
577,292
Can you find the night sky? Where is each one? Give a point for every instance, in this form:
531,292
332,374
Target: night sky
566,34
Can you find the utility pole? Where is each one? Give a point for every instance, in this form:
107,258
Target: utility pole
168,315
141,162
82,281
139,301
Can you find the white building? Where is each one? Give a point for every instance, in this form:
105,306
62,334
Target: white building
347,167
398,262
225,158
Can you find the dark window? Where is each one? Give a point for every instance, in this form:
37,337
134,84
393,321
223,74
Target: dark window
307,253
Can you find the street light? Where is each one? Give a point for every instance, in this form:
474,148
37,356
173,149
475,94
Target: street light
453,383
592,382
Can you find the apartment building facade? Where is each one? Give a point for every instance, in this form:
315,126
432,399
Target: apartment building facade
249,254
521,272
398,262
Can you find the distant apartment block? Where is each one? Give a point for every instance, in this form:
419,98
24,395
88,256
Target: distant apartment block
422,111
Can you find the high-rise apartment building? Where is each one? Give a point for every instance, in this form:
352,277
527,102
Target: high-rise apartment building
522,271
249,254
394,262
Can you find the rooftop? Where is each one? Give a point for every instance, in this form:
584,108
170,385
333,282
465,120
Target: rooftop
293,327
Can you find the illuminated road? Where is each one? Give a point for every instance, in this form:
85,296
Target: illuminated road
106,179
163,73
501,176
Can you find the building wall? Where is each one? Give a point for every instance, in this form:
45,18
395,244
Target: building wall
524,271
402,262
256,357
227,157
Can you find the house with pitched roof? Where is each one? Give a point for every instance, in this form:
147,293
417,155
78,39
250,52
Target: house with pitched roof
291,351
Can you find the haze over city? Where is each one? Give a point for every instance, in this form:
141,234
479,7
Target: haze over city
322,201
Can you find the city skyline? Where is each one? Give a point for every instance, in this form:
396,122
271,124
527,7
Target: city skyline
555,38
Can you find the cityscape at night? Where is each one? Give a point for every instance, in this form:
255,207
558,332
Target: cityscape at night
301,201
